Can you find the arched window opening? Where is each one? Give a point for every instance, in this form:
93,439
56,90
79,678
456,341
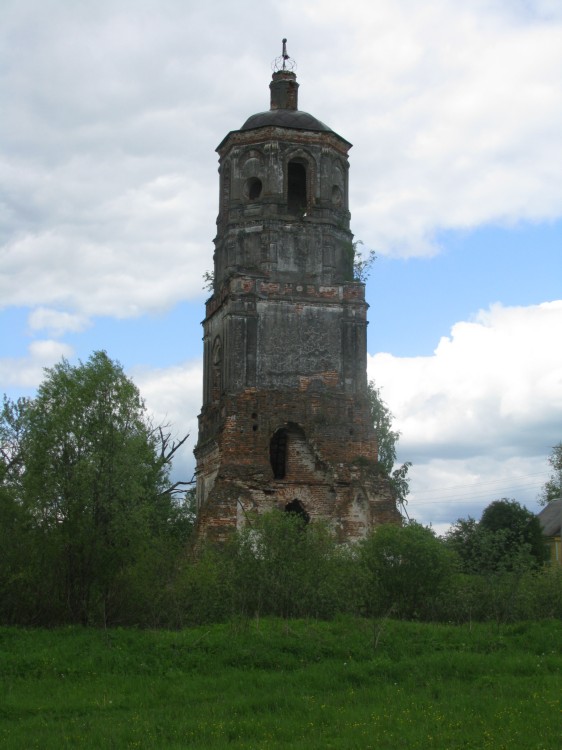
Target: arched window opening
296,188
253,188
278,454
295,506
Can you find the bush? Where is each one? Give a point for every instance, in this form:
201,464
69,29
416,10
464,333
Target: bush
282,566
404,570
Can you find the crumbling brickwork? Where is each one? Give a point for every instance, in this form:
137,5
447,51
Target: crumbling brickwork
285,421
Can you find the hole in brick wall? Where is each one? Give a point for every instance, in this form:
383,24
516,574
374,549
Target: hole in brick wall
254,415
295,506
278,453
254,427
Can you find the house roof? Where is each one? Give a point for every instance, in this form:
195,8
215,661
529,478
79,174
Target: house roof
550,518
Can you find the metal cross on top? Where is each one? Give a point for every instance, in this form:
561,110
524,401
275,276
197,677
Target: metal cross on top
284,54
284,62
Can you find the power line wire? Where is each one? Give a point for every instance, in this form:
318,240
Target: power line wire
501,482
466,498
470,492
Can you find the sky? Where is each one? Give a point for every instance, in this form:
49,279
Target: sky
111,113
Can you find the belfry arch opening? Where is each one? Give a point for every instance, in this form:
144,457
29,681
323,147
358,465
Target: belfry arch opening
296,508
297,198
254,188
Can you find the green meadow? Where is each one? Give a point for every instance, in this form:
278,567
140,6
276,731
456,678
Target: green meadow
273,683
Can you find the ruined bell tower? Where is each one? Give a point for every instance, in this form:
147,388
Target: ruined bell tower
285,421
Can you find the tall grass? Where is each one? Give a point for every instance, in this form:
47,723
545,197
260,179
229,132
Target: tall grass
284,683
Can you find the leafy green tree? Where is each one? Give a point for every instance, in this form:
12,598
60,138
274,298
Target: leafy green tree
387,439
12,554
89,473
17,551
552,489
13,428
463,538
507,538
405,568
516,529
480,551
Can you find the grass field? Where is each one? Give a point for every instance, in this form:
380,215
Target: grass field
276,684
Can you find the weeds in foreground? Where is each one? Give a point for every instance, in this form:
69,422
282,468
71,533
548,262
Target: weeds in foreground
275,683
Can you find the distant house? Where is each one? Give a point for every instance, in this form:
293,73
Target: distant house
550,519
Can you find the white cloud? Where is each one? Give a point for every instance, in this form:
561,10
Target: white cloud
113,110
122,251
56,322
483,412
28,372
493,386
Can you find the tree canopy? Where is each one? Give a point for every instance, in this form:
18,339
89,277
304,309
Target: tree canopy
88,477
508,537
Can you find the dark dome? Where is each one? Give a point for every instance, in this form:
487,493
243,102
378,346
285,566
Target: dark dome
284,118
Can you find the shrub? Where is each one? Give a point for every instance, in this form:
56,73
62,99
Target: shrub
405,569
